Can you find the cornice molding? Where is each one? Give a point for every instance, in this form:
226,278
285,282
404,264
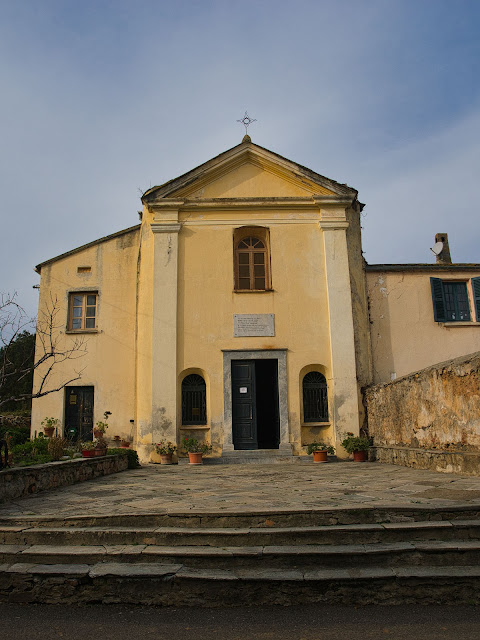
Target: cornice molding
249,222
165,204
248,203
165,228
336,200
333,224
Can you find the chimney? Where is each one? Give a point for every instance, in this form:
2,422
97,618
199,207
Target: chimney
444,256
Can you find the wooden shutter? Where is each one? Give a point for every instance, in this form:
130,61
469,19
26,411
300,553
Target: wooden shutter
476,296
438,299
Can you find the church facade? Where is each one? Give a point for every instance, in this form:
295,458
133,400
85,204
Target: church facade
237,312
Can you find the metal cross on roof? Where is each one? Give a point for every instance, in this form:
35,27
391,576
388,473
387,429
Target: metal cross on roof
246,121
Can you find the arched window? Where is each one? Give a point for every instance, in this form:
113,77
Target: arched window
194,400
315,401
251,259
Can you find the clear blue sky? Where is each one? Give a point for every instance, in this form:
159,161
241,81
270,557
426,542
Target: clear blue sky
103,99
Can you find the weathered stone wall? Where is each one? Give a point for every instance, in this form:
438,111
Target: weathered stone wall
14,421
436,409
23,481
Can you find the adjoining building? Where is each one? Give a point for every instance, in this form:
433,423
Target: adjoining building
241,311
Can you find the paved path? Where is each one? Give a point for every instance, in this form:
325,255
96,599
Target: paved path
304,622
182,488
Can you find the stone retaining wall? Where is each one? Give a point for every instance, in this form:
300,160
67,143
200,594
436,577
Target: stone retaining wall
466,462
14,421
429,419
23,481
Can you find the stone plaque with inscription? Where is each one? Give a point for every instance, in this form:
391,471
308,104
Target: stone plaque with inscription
253,324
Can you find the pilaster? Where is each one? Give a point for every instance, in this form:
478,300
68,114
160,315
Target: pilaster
164,328
342,344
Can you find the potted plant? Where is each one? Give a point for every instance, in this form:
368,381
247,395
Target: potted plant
165,449
88,449
94,449
320,451
49,425
195,449
116,439
101,426
125,444
358,445
101,446
99,429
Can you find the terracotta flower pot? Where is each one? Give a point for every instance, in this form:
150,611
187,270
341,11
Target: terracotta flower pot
125,444
359,456
195,458
93,453
166,458
48,431
97,433
320,456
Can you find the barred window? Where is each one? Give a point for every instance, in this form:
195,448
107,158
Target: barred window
315,401
194,400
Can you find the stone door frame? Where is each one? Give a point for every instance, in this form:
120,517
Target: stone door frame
256,354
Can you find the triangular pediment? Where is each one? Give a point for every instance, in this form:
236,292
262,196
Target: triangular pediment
251,180
248,171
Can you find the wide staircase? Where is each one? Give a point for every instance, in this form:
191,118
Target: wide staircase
349,556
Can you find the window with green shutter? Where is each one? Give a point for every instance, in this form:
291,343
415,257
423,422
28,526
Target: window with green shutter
450,300
476,296
438,300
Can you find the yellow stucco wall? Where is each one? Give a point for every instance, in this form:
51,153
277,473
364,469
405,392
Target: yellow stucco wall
207,303
404,335
109,362
200,244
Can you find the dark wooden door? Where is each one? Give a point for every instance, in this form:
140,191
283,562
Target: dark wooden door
244,413
79,413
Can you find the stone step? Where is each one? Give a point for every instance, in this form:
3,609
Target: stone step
304,557
229,536
180,585
257,456
266,518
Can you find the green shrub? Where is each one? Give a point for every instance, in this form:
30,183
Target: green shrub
39,459
355,443
14,434
31,452
133,462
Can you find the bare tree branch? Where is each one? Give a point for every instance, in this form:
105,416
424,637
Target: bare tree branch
53,348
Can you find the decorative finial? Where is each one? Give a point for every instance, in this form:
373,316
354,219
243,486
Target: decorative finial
246,121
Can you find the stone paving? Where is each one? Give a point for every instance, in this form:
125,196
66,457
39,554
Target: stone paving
243,488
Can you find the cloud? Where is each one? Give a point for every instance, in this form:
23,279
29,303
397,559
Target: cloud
104,99
425,187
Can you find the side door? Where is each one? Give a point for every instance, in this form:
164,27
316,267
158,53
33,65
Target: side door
244,414
79,413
